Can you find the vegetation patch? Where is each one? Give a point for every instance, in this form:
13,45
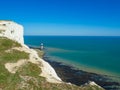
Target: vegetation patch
8,81
13,56
6,43
30,69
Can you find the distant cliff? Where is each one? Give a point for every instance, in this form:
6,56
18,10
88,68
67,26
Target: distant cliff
21,68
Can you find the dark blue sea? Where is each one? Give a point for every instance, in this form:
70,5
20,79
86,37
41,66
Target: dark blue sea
99,54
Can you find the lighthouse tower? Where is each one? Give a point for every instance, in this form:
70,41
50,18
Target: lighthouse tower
41,46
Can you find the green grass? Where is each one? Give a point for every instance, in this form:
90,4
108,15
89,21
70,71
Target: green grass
8,80
30,69
7,44
13,56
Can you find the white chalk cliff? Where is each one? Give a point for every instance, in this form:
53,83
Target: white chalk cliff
12,31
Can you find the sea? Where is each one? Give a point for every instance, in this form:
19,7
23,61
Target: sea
98,54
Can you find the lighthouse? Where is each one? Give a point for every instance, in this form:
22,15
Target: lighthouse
41,46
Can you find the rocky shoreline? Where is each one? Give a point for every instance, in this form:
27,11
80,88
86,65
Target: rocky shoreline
79,77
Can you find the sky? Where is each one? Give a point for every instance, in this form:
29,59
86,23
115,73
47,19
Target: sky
64,17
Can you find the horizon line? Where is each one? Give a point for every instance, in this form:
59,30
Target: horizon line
75,35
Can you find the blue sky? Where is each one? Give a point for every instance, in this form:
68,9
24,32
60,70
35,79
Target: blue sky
64,17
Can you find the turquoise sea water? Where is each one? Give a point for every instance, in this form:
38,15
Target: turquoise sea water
91,53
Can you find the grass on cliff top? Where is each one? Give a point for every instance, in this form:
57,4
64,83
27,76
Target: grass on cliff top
12,55
5,57
7,44
30,69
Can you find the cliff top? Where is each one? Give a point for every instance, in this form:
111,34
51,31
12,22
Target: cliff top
5,20
12,31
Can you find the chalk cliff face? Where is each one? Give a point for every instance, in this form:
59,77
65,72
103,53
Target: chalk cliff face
12,31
